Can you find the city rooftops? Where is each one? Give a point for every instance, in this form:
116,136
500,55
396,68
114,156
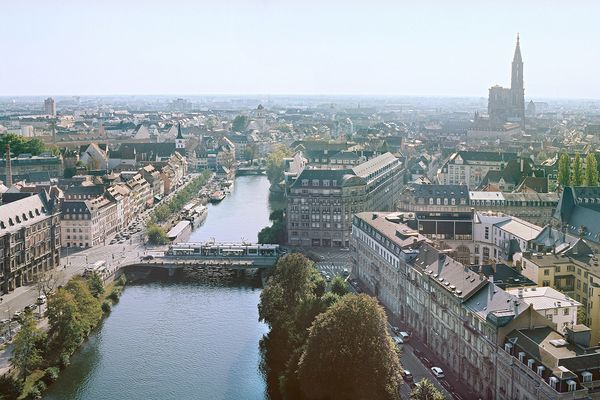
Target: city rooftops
544,298
22,213
391,227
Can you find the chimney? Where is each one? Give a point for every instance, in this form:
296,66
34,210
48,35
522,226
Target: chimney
516,302
9,181
520,291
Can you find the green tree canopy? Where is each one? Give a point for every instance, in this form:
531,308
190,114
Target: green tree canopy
88,306
156,235
339,286
344,342
21,144
28,344
95,285
425,390
564,170
250,152
275,165
286,289
577,171
66,329
239,123
591,169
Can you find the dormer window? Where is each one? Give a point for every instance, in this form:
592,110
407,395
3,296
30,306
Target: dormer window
571,385
315,182
304,182
18,219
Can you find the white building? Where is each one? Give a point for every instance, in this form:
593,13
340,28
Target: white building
556,306
497,236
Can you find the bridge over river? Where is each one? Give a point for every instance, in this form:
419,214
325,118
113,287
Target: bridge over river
215,255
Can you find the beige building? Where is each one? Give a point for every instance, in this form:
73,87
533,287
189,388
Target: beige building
321,202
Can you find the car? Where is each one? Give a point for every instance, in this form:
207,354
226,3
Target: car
4,321
437,372
17,315
345,249
396,330
327,278
345,272
407,376
404,335
41,299
398,340
121,241
113,241
148,257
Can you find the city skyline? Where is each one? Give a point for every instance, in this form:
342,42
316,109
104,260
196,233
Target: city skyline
263,47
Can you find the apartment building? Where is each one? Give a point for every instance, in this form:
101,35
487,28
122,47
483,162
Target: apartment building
536,208
29,239
464,318
556,306
87,223
321,201
470,167
572,269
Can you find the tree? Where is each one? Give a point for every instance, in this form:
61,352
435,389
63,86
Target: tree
228,159
156,235
250,152
89,308
275,166
21,145
425,390
239,123
577,171
591,170
339,286
564,170
27,353
47,281
344,342
95,285
286,288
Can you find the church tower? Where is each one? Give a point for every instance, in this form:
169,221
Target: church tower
516,84
179,141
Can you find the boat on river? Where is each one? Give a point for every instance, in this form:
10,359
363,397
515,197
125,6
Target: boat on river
217,196
197,215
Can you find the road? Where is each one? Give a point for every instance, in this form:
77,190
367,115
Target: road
419,371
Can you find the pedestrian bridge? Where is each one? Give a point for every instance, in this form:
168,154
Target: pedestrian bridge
224,255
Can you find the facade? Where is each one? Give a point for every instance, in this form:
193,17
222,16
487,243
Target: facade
461,316
25,164
556,306
87,223
321,202
536,208
509,104
470,167
30,239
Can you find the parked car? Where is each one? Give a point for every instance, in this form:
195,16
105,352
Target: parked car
398,340
437,372
407,376
148,257
17,315
345,272
404,335
4,321
396,330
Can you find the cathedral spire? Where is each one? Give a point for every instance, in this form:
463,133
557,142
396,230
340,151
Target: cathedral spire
179,135
517,57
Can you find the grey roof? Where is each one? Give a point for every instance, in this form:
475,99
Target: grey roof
24,212
579,210
442,191
495,305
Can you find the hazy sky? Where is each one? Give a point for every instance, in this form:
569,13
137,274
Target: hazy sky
306,47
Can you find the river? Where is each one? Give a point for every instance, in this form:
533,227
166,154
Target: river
181,340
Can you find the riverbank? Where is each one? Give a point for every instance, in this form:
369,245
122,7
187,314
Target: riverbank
45,347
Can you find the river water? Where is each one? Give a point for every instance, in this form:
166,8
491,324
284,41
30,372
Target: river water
181,340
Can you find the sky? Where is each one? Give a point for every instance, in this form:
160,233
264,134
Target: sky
374,47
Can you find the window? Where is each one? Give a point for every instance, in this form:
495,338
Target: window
487,233
546,271
546,283
557,268
566,311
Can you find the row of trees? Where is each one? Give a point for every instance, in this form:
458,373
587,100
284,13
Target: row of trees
321,343
73,311
21,144
574,174
164,211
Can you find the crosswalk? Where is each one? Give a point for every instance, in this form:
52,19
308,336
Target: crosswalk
332,268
